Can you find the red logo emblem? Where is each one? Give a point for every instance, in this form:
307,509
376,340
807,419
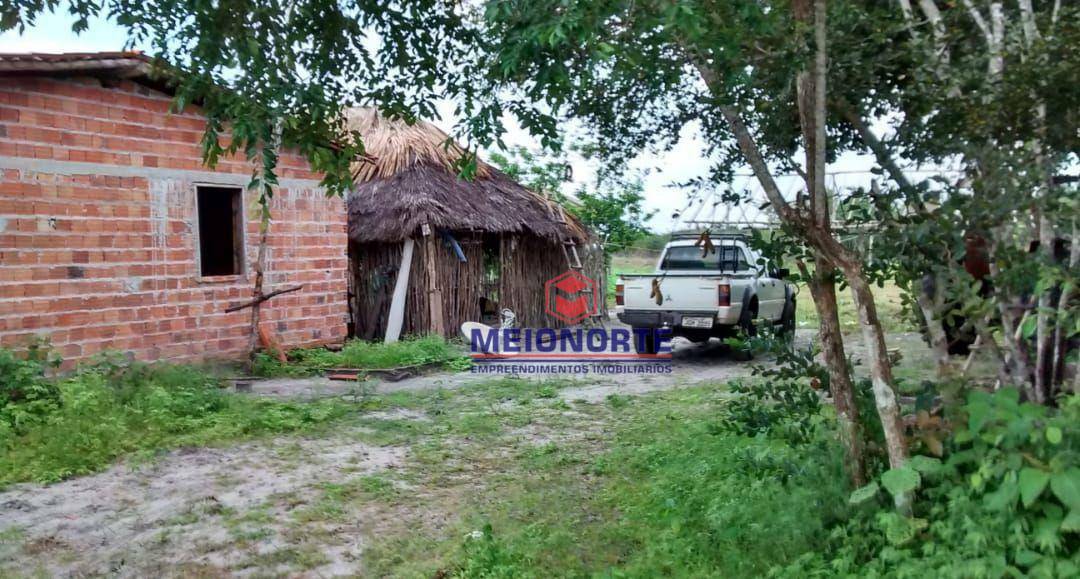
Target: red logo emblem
571,297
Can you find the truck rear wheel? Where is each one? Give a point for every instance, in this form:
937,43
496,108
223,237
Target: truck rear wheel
787,319
747,329
647,343
746,319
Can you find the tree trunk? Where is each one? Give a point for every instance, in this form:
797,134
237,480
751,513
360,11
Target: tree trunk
1017,360
1060,331
884,397
1045,327
880,377
928,294
257,290
810,85
1044,332
841,388
823,241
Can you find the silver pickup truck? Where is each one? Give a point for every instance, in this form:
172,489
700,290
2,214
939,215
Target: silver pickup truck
700,294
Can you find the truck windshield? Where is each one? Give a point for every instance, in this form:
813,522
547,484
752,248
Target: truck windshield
689,257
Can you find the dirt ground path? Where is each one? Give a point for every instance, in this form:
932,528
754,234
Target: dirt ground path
141,520
206,510
691,364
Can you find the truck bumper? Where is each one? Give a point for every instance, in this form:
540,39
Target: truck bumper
673,318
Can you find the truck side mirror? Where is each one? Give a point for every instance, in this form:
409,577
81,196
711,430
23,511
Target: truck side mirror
783,273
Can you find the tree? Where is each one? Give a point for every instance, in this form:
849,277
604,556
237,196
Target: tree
729,66
278,73
611,207
272,74
985,79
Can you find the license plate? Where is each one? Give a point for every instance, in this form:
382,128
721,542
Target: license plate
697,322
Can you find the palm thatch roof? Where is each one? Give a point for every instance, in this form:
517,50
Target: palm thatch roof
408,178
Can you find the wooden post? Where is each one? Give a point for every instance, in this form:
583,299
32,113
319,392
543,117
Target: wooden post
257,291
435,305
401,287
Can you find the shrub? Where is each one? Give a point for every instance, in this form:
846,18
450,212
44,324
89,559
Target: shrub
782,401
1005,501
365,356
111,407
26,397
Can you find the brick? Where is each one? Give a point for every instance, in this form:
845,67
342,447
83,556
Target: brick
82,259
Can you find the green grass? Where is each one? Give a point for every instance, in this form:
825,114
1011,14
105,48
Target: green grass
365,356
661,492
503,477
889,303
83,423
626,264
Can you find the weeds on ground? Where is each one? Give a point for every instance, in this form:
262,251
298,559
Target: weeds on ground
781,400
1004,501
895,317
670,495
55,428
365,356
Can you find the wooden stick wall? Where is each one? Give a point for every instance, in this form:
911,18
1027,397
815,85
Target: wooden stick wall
525,263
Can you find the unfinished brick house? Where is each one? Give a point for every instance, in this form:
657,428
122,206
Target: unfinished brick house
114,236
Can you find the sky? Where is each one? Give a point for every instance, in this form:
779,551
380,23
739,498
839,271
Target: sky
682,162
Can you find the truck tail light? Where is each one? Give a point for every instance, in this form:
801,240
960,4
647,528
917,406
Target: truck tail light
723,295
619,291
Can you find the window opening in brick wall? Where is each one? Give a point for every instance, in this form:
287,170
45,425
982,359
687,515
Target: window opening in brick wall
221,230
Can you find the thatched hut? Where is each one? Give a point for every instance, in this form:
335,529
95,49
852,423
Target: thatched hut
477,246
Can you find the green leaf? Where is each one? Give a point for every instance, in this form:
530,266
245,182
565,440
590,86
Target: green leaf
1045,533
1029,326
1071,524
1032,483
900,480
863,494
925,464
978,414
1004,498
1066,486
1026,557
1053,435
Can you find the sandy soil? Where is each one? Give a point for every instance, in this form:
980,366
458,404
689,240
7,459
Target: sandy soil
691,364
140,521
183,513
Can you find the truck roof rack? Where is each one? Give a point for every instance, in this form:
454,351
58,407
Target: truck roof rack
714,233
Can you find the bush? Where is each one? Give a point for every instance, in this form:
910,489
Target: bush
782,401
26,397
365,356
111,408
1005,501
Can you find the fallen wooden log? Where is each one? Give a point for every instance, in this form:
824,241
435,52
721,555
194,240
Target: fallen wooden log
385,374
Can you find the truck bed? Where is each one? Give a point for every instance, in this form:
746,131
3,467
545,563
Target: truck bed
686,292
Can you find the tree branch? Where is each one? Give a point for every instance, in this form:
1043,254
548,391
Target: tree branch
881,152
978,18
262,298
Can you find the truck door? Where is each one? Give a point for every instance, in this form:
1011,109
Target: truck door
770,294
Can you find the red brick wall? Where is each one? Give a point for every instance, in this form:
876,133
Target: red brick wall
98,232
